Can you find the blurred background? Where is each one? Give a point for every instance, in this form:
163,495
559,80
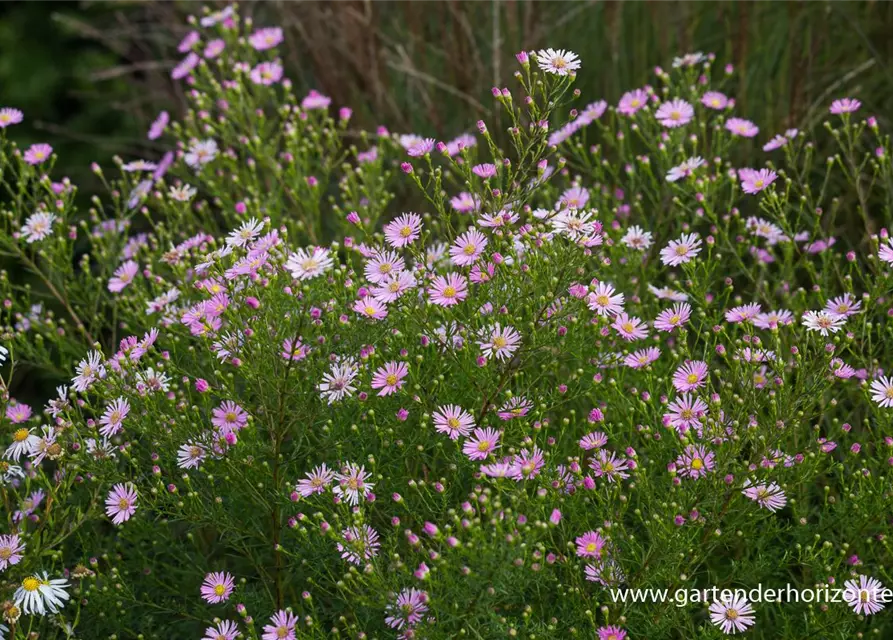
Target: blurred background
90,75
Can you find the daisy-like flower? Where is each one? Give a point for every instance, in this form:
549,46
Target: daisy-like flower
38,226
773,319
681,251
611,633
229,417
630,328
823,322
590,545
421,147
337,384
688,60
481,444
742,127
844,105
484,170
294,349
265,38
351,483
463,141
266,73
407,610
609,467
516,407
190,455
575,224
360,544
768,496
38,153
666,293
775,143
468,248
557,61
448,290
113,418
765,229
247,232
677,316
715,100
695,462
453,420
642,358
526,465
316,481
394,287
881,392
685,169
123,276
866,597
185,66
674,113
10,116
403,230
120,505
315,100
744,313
153,381
465,202
225,630
200,153
214,48
217,587
690,376
389,378
11,551
39,595
382,265
18,412
637,238
885,252
158,125
282,626
753,181
732,615
88,371
604,300
308,263
686,412
371,308
499,342
843,306
632,101
23,441
594,440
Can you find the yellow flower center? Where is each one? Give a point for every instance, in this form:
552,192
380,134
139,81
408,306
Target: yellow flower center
483,445
5,553
732,614
230,416
499,342
681,250
692,378
20,435
405,232
675,320
863,596
449,292
123,503
219,590
370,311
675,115
591,547
30,584
391,380
635,102
385,268
697,464
609,467
688,414
602,300
453,423
309,264
758,183
468,250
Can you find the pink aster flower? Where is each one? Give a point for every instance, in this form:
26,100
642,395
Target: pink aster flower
753,181
690,376
315,100
185,66
18,413
844,105
743,313
515,407
448,290
823,322
421,147
294,349
557,61
265,38
120,505
686,412
733,614
406,611
642,358
123,276
113,418
38,153
214,48
352,483
281,627
229,417
217,587
672,318
11,551
594,440
225,630
768,496
389,378
742,127
499,342
882,391
481,444
866,597
590,545
382,265
630,328
695,462
609,467
10,116
359,544
604,300
611,633
316,481
371,308
465,202
685,169
632,101
674,113
403,230
393,287
526,465
266,73
453,420
468,247
843,306
715,100
681,251
775,143
158,126
485,170
190,455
